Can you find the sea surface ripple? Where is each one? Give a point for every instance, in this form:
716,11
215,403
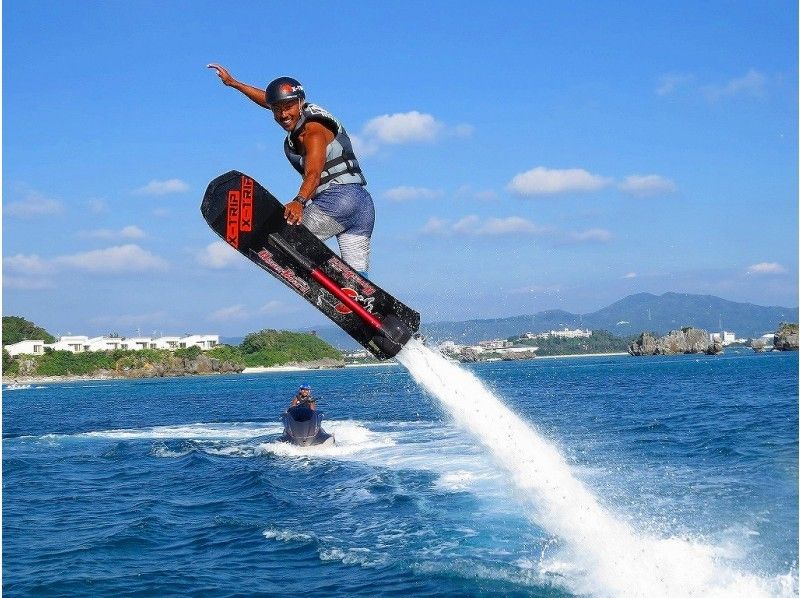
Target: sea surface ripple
180,486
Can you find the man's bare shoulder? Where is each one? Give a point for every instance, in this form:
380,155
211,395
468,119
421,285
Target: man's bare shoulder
314,129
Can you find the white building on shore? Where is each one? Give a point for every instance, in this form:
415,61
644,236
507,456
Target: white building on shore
26,348
499,347
82,344
495,344
204,341
566,333
724,337
168,342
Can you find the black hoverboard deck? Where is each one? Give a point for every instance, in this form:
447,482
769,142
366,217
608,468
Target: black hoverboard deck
251,220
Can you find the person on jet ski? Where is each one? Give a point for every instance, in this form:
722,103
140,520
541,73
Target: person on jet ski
303,397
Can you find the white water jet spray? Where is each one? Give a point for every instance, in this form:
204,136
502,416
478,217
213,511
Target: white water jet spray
614,558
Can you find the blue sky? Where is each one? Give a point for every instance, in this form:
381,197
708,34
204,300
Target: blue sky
522,156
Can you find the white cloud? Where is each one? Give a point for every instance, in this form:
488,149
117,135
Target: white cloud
468,192
467,225
510,226
403,127
363,146
122,258
98,206
132,232
127,232
593,235
752,83
434,226
670,82
226,314
25,264
218,255
276,308
546,181
33,204
163,187
766,268
26,273
405,193
472,225
630,275
647,185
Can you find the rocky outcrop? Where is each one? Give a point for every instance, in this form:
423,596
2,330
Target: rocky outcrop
27,366
469,356
177,366
646,344
785,338
677,342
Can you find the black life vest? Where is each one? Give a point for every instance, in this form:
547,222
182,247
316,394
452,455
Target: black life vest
341,165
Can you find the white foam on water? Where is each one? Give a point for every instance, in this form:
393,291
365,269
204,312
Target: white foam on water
327,548
457,481
610,556
164,452
195,431
363,557
353,439
288,535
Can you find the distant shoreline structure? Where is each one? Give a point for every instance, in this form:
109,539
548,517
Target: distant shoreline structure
277,369
85,344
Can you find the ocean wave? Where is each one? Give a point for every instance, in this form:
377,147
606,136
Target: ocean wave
288,535
362,557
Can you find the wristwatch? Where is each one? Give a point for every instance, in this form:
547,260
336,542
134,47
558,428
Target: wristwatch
300,199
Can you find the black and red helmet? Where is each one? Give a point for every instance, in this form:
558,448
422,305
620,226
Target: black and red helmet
284,88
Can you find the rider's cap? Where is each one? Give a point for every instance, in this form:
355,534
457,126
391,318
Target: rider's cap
305,387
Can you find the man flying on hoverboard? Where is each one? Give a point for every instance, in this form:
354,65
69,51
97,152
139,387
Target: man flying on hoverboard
332,200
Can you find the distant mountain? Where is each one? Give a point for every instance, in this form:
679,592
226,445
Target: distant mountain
669,311
627,317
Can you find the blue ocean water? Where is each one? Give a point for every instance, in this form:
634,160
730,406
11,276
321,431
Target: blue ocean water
179,486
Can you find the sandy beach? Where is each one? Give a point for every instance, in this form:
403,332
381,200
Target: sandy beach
53,379
293,368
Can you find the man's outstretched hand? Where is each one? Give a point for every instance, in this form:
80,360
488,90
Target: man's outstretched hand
223,73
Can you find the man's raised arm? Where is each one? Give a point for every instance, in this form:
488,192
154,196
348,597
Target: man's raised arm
254,93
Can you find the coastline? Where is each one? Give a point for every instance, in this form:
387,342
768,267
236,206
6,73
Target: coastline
256,370
582,355
53,379
297,368
7,380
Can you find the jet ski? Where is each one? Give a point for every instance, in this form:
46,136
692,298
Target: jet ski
302,426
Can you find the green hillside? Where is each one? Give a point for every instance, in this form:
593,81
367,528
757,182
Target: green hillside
278,347
17,329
